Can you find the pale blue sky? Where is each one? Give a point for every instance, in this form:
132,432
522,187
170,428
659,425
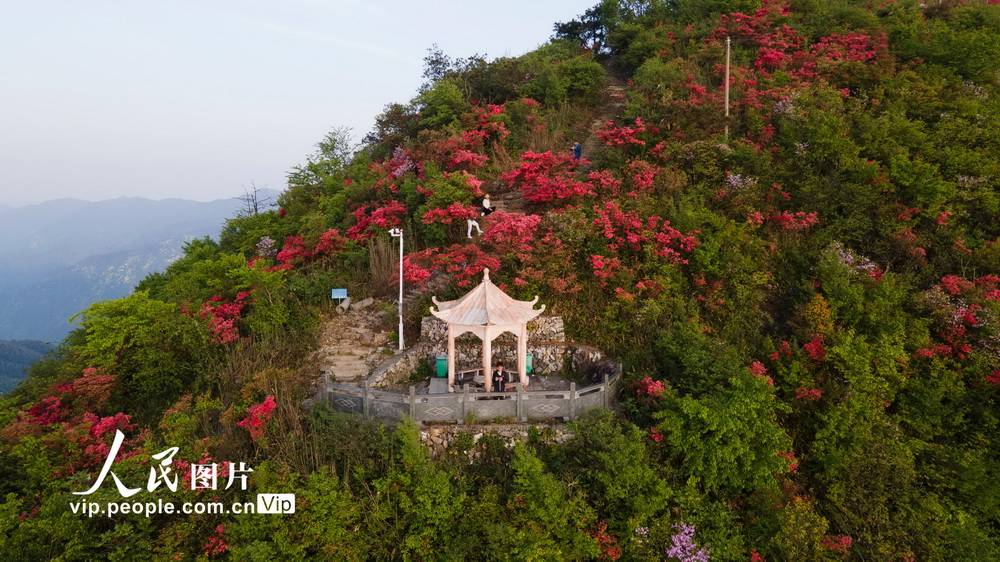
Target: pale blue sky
102,99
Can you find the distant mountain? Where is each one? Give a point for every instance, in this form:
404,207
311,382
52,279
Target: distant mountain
15,358
60,256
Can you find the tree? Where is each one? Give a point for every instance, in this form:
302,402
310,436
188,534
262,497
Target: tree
155,350
729,440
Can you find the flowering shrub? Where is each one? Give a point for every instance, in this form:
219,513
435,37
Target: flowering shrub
857,262
793,461
293,252
367,218
216,544
648,387
222,317
758,370
257,417
655,436
464,261
511,232
545,177
92,389
606,542
625,230
682,546
955,285
840,544
454,212
467,158
808,394
330,242
605,182
815,350
854,47
46,411
643,174
799,220
267,247
604,268
612,135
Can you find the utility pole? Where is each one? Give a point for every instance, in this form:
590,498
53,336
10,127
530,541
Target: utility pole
727,87
398,233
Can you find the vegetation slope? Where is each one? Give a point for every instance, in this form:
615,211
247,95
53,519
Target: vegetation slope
807,310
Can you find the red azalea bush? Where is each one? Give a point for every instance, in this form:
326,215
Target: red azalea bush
454,212
257,417
648,387
222,316
815,349
216,544
293,252
840,544
367,218
544,177
612,135
808,394
511,232
605,182
330,242
464,261
626,230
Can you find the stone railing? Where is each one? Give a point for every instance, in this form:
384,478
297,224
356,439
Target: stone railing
465,406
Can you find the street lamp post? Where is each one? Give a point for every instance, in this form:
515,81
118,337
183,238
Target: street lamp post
398,233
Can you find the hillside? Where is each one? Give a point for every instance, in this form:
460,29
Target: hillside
15,359
61,256
807,309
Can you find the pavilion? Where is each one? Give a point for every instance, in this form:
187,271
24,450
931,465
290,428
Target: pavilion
487,312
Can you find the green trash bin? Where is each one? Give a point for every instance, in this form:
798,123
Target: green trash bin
529,363
441,366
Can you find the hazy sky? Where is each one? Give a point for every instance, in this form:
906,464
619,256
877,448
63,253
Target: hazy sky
102,99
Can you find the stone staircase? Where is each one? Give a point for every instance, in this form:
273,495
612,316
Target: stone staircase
351,344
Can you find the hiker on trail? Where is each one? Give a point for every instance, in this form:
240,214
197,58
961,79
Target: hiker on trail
469,225
484,211
577,149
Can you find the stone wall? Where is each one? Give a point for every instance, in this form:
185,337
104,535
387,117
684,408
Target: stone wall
399,367
438,438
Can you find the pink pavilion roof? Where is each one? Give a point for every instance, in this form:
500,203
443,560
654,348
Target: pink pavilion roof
486,305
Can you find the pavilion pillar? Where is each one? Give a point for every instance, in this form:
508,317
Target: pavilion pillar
451,358
487,358
522,355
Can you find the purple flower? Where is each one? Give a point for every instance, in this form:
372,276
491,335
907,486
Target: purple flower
683,547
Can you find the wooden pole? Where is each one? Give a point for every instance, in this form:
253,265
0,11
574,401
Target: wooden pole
728,42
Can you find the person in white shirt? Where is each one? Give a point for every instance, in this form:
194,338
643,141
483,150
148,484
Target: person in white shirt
485,209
